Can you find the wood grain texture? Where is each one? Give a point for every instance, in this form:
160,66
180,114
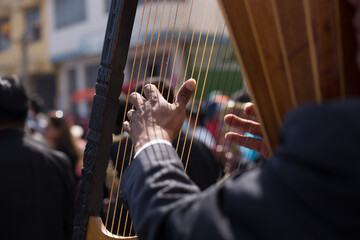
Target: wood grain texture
292,53
97,231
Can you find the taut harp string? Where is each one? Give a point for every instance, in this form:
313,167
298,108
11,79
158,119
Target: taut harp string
286,55
195,49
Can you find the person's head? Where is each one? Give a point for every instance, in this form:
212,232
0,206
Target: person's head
196,110
58,131
13,102
122,109
36,104
59,137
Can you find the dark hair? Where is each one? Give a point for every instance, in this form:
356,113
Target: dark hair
36,104
195,110
122,109
241,96
65,142
13,100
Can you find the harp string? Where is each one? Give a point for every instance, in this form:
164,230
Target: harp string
172,73
126,220
187,64
170,46
215,67
207,70
176,51
179,73
143,83
148,55
226,145
181,60
169,52
124,117
137,80
187,61
177,46
160,78
165,43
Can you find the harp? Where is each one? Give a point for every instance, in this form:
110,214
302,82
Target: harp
290,52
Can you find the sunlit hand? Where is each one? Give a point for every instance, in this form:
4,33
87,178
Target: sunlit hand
153,117
249,126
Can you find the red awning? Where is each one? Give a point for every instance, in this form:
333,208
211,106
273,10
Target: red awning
83,95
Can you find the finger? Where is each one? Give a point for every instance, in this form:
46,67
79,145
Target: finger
136,99
132,115
243,124
249,109
248,142
126,127
151,92
185,92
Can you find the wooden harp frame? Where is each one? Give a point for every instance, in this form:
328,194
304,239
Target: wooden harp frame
102,120
88,224
295,52
270,103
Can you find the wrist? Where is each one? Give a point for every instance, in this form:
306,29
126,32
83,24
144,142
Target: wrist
159,141
159,136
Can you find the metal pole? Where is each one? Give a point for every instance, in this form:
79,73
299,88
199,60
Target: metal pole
25,62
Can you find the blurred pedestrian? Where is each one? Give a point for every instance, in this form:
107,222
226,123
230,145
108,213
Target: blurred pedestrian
36,182
59,137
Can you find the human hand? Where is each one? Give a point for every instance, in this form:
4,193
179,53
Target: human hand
249,126
153,117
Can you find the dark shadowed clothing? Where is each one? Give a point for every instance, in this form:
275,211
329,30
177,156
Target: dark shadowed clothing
37,189
309,190
202,167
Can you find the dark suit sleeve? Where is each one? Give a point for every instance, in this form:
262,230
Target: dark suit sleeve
165,204
309,190
64,167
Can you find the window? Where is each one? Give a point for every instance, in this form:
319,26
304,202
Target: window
33,24
4,34
107,5
68,12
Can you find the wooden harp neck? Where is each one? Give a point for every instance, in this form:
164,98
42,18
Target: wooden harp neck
292,53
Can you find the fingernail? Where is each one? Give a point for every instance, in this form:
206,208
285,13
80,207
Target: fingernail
190,85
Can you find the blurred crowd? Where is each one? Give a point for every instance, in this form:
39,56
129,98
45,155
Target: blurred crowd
201,144
204,128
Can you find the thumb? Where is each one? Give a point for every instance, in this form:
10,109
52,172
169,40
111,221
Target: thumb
185,93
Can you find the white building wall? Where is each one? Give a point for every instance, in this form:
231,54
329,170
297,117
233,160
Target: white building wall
85,37
80,44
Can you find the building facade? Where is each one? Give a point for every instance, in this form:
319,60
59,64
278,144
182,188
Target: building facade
24,46
77,29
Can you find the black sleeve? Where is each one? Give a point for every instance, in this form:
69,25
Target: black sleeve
165,204
64,166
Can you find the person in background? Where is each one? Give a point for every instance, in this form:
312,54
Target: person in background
36,120
36,182
309,188
200,158
59,137
195,114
